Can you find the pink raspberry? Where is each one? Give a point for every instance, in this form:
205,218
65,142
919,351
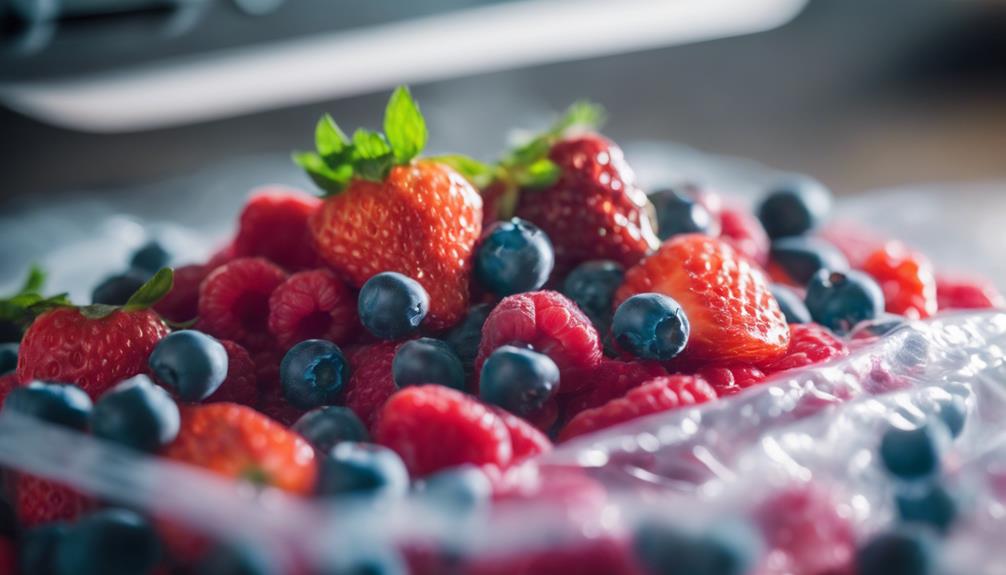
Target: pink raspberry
609,379
312,305
728,380
809,344
182,302
370,382
241,384
806,532
967,293
234,301
525,440
273,225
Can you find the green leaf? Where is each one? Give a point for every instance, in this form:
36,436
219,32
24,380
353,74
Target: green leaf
151,292
329,139
582,114
540,174
34,281
372,155
478,173
99,310
404,126
332,180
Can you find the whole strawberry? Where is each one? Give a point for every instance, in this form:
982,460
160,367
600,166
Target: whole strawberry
94,346
387,211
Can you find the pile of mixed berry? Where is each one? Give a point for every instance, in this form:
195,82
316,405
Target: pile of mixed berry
429,323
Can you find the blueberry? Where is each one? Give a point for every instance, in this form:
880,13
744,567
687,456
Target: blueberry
651,326
881,325
518,380
463,489
324,427
108,542
679,213
592,285
233,560
190,363
515,256
794,207
313,373
727,549
427,360
953,413
931,505
839,300
791,304
136,413
352,468
117,289
66,405
392,305
8,357
465,337
898,552
801,257
910,453
150,258
37,549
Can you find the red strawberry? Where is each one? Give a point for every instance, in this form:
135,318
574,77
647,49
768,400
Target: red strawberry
370,381
809,344
550,323
656,396
181,304
525,440
744,233
728,380
434,427
805,532
967,293
234,301
732,313
312,305
609,379
39,500
906,278
594,211
240,443
241,384
273,225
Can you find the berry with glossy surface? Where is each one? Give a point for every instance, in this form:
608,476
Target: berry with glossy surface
910,453
64,405
801,257
274,225
391,305
514,256
809,344
840,300
791,304
794,207
427,360
312,305
150,258
518,380
906,279
591,285
371,382
117,289
351,468
678,212
137,414
234,301
108,542
730,309
726,549
651,326
324,427
189,363
313,373
899,552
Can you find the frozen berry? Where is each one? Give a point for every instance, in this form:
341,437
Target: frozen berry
108,542
312,305
728,548
791,304
392,305
234,301
839,300
514,256
137,414
65,405
313,373
150,258
324,427
678,212
591,285
910,453
899,552
794,207
190,363
929,505
427,360
518,380
801,257
351,468
651,326
117,289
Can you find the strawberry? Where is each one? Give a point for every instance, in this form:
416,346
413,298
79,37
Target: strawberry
94,346
907,279
967,293
312,305
733,315
240,443
39,500
273,225
386,211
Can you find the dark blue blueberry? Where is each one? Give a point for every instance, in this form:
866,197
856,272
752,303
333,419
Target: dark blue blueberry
679,213
727,549
190,363
8,357
61,404
929,505
352,468
882,325
592,285
794,207
840,300
651,326
801,257
515,256
899,552
427,360
136,413
324,427
462,489
117,289
233,560
465,337
953,413
313,373
518,380
150,258
791,304
910,453
37,551
108,542
914,350
392,305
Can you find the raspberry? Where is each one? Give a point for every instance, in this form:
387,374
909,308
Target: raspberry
809,344
806,532
729,380
655,396
609,379
370,382
241,384
525,440
40,501
434,427
234,301
547,321
967,293
273,225
745,234
855,242
182,302
312,305
545,418
906,278
220,257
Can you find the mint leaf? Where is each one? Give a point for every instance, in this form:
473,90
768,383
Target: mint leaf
474,171
151,292
329,140
34,281
404,126
325,177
